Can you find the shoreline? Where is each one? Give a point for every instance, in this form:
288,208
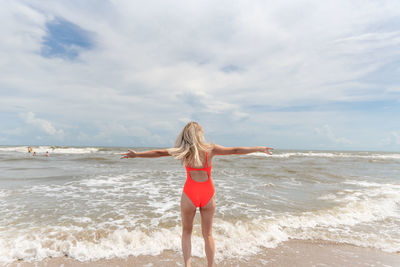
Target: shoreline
290,253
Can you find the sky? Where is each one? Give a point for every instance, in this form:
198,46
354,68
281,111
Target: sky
313,75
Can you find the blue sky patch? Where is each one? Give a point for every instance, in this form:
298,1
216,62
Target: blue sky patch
65,39
231,68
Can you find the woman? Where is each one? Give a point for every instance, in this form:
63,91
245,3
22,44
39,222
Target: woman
198,190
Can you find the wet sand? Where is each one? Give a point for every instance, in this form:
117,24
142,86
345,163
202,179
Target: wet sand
291,253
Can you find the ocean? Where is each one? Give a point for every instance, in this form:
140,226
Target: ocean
88,204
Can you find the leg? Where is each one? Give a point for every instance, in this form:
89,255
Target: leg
207,215
188,211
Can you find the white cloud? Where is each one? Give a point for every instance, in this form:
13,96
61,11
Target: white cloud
15,131
162,62
392,139
393,89
42,124
396,137
326,131
177,51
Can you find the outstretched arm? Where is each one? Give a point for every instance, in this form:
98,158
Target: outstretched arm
221,150
156,153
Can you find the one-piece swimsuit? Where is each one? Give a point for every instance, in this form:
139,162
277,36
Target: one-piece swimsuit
200,193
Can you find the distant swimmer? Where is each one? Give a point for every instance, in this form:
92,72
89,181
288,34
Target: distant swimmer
34,153
47,153
29,149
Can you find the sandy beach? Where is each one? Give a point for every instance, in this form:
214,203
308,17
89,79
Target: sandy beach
291,253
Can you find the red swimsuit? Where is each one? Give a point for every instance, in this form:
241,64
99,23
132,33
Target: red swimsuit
200,193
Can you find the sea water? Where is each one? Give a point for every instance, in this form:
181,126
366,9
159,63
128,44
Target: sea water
87,203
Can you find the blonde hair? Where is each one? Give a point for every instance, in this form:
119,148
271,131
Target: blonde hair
189,143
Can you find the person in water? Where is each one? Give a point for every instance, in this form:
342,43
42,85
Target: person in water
198,191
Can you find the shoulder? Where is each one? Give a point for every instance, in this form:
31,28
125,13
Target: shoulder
216,149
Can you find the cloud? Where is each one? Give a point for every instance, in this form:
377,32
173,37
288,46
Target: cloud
392,139
16,131
178,51
393,89
326,131
42,124
231,68
161,63
396,137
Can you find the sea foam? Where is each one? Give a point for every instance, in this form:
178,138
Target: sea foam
370,204
51,149
361,155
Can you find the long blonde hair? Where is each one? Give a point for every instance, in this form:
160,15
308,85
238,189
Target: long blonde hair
189,143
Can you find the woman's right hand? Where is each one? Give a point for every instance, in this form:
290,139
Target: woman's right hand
130,154
267,150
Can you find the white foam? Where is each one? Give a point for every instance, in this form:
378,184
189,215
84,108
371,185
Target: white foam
4,193
50,149
291,181
33,244
258,154
233,239
371,206
103,181
327,197
363,155
126,230
373,184
23,149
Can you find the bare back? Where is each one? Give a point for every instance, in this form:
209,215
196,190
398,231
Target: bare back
201,175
